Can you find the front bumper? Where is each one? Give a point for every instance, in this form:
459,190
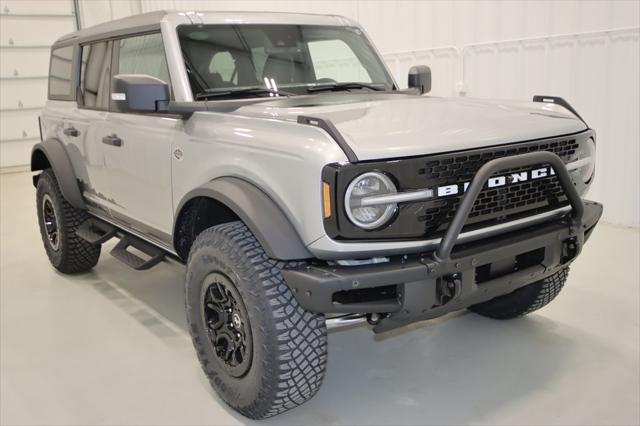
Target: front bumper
431,284
418,287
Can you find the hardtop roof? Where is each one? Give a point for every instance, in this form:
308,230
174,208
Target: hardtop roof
151,21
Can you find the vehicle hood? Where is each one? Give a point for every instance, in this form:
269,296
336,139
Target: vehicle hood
385,125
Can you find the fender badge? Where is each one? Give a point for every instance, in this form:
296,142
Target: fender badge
178,153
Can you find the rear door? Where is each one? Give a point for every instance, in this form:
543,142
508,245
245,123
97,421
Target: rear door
138,166
83,129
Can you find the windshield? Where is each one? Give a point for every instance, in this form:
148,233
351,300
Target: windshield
225,59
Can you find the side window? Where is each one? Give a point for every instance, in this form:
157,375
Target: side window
95,76
143,55
334,59
61,72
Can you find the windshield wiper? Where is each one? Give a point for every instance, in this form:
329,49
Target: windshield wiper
217,93
344,86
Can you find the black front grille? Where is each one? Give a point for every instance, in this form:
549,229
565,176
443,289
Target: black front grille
431,218
493,203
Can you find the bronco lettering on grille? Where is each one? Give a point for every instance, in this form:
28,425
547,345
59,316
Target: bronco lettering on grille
498,181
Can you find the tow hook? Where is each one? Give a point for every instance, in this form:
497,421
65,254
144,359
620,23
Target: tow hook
448,288
569,250
374,318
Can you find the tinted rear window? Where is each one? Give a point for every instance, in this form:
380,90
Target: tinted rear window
61,72
95,74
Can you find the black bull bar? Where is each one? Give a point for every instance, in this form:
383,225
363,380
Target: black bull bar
422,286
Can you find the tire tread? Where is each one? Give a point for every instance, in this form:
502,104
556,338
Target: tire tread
295,339
525,300
77,254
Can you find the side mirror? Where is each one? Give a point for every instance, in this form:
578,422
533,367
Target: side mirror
420,78
138,93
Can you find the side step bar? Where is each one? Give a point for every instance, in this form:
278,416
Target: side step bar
121,253
97,231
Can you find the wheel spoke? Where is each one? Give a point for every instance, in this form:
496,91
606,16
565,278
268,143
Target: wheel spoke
238,355
215,323
229,352
217,295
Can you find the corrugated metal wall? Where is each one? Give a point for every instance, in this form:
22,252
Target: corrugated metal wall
599,72
97,11
498,49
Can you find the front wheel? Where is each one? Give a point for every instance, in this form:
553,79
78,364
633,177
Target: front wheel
525,299
262,352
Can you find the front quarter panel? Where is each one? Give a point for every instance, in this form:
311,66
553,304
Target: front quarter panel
283,159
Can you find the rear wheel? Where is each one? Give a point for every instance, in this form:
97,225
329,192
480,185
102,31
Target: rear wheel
58,222
524,300
262,352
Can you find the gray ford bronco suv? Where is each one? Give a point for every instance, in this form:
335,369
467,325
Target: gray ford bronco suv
275,156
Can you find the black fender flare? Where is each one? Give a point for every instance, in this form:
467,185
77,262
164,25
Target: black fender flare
56,156
258,211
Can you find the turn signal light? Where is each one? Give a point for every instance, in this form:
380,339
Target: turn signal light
326,199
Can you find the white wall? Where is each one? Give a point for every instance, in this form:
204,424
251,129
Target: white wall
598,73
27,29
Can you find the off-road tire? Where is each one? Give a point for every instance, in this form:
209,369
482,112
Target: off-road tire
73,254
289,343
524,300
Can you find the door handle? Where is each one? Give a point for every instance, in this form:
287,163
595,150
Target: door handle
71,131
112,140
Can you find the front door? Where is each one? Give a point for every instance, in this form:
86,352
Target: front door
138,147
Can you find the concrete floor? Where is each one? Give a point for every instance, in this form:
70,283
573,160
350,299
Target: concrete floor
111,347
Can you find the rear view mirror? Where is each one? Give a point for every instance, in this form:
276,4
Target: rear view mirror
138,93
420,78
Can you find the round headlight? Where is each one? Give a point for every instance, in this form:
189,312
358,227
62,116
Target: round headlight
369,214
587,151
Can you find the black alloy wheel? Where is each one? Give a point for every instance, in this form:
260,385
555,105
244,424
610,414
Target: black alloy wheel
228,325
50,222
